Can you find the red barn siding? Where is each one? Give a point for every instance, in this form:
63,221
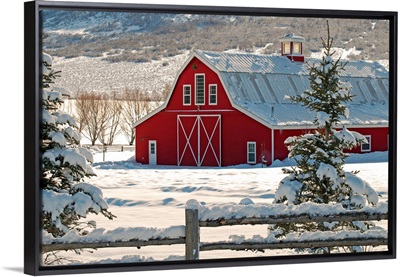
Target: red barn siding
281,152
236,130
157,128
379,138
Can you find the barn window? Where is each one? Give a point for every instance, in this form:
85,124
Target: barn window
366,147
286,48
152,148
296,48
213,95
186,95
251,152
199,89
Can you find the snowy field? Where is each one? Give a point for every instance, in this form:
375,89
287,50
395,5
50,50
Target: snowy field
95,74
155,196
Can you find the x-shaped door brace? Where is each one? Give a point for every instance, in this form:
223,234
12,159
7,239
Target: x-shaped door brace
200,127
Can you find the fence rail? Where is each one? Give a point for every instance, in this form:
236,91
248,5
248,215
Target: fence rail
110,244
193,244
301,218
293,244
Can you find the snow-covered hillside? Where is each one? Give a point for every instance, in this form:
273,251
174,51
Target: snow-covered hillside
95,74
92,22
103,51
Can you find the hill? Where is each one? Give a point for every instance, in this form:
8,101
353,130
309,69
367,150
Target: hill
156,40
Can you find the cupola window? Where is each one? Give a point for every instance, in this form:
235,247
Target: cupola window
296,48
286,48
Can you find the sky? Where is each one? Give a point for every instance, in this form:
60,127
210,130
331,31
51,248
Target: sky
11,163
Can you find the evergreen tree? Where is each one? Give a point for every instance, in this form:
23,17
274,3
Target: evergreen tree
66,199
319,174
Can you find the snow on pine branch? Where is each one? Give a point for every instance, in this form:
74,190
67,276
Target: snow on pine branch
46,58
85,198
118,235
74,158
54,203
227,211
64,118
350,138
95,193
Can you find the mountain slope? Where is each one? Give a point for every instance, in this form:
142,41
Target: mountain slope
145,42
84,33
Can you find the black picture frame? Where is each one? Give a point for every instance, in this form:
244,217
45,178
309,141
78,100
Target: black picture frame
32,119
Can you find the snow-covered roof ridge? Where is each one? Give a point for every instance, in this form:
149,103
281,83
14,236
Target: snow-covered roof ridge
251,63
291,37
273,64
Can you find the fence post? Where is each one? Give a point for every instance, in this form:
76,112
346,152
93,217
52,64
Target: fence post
192,230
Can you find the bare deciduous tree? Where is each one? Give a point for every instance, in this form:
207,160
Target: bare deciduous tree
93,113
102,117
135,105
112,129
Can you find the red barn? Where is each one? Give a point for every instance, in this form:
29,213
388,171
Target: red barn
229,108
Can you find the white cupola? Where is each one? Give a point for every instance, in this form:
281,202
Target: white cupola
292,47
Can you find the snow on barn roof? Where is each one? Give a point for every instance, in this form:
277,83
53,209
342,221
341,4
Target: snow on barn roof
292,37
269,64
258,84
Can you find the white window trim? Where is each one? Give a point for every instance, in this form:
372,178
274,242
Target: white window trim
248,152
190,95
209,94
195,89
368,137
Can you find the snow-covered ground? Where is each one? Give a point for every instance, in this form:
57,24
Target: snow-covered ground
95,74
155,196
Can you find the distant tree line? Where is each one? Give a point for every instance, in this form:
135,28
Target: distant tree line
102,117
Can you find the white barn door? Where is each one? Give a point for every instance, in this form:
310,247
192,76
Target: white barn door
199,140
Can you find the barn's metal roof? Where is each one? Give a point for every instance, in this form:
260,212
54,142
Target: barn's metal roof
269,64
258,84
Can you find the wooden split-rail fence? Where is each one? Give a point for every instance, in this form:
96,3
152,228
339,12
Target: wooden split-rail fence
194,245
